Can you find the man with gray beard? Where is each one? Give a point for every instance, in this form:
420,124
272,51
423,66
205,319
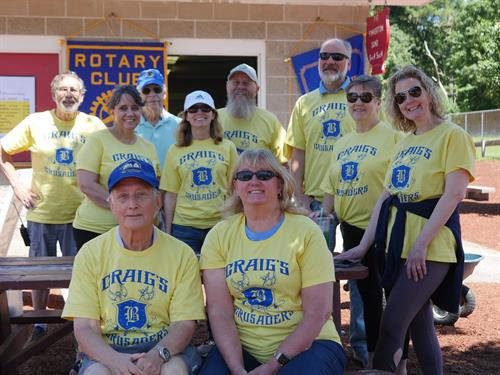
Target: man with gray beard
319,119
246,125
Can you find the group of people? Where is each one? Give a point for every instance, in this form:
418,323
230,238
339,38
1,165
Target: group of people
139,200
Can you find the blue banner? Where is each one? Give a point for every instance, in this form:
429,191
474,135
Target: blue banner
306,64
103,65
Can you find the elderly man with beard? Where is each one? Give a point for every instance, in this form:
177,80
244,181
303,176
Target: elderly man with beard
157,125
319,119
246,125
54,138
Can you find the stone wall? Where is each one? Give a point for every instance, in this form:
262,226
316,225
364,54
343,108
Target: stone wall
281,26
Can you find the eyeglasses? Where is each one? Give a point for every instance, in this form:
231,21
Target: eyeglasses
71,90
415,92
156,89
196,108
262,175
334,55
366,97
139,197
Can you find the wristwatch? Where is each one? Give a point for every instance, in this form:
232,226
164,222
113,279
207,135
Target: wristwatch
281,358
164,353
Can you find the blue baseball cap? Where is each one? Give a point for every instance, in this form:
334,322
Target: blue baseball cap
150,77
133,168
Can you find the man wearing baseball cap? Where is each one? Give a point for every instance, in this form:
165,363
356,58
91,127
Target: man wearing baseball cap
246,125
157,125
135,292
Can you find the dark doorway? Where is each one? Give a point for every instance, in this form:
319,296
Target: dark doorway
208,73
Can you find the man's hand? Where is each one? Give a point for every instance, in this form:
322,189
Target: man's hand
151,363
125,364
25,195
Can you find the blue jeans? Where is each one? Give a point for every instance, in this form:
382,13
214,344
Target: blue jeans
324,357
357,334
194,237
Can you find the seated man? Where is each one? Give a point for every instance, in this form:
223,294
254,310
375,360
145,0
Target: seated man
135,292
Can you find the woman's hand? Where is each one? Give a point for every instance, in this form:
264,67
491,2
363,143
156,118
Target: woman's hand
415,263
315,214
355,254
269,368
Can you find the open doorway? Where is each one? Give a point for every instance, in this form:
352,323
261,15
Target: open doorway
209,73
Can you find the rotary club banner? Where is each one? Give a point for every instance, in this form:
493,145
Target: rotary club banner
104,65
378,33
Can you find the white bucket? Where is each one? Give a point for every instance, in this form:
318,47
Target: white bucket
15,300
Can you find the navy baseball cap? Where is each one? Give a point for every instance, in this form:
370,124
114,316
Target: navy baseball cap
133,168
150,77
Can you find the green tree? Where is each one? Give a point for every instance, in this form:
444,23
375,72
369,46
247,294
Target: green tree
463,42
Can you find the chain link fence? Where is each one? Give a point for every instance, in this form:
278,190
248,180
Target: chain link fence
483,126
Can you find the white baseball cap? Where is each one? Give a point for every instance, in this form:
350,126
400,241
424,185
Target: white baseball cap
196,97
247,69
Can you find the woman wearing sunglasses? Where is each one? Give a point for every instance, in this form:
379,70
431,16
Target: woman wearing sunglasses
197,172
100,155
268,278
418,221
352,188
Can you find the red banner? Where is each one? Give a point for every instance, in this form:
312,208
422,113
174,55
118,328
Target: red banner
378,33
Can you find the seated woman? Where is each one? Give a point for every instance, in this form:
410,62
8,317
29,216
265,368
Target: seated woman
268,278
197,172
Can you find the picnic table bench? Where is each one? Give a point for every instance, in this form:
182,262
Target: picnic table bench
18,273
479,193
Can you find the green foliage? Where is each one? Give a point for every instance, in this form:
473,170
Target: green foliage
464,38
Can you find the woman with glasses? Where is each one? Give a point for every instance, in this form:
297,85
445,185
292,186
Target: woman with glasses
103,152
418,222
197,171
268,277
352,187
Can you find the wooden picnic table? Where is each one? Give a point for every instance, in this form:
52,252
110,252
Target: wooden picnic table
18,273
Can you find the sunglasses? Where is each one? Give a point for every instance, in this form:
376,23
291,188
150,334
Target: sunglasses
366,97
262,175
196,108
156,89
334,55
415,92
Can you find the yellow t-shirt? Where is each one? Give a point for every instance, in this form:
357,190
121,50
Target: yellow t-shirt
265,278
359,164
418,171
261,130
103,153
53,144
200,175
135,295
316,123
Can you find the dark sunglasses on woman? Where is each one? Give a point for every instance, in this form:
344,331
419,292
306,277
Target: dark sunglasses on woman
366,97
196,108
262,175
334,55
156,89
414,91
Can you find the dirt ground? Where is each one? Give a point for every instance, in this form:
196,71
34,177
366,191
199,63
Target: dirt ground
471,347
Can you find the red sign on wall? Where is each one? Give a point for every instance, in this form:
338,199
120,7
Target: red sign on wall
377,40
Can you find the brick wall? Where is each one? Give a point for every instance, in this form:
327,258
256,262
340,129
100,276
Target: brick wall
281,26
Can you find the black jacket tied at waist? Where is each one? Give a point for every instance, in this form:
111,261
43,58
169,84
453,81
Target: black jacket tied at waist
447,295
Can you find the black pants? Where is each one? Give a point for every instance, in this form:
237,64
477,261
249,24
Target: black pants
370,288
83,236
